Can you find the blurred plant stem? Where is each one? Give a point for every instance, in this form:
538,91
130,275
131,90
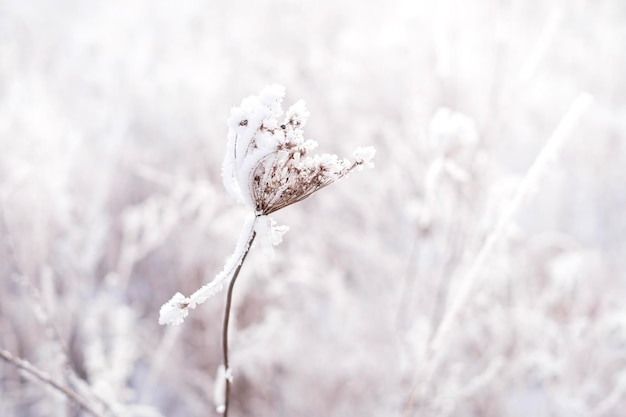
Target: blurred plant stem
47,379
229,298
468,283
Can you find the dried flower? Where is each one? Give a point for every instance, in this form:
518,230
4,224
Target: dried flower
268,166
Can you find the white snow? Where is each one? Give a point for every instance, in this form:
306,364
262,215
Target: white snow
175,310
219,389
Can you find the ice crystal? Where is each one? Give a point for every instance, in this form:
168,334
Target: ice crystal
270,233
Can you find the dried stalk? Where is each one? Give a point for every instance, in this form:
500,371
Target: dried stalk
229,297
47,379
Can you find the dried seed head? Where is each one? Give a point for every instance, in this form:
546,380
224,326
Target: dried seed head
268,164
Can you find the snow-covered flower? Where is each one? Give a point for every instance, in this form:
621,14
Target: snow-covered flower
268,163
268,166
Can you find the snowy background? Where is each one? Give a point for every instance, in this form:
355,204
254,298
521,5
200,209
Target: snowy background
112,134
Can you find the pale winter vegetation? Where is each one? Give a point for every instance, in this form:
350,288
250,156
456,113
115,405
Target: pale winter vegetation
477,270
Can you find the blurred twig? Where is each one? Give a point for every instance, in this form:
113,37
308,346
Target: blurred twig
47,379
467,283
42,314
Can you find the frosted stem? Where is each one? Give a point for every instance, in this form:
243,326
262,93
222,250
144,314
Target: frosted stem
229,298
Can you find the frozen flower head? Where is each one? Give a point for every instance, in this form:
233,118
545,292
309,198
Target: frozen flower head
268,163
268,166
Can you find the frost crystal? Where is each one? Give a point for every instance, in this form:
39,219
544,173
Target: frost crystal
271,235
175,310
365,156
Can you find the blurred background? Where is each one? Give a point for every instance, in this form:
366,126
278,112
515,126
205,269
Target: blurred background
112,134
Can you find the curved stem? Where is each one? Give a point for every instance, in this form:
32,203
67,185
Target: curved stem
229,297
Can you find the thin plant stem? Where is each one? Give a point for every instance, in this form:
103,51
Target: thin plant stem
47,379
229,298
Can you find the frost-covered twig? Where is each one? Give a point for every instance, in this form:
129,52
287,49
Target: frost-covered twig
47,379
268,166
177,309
